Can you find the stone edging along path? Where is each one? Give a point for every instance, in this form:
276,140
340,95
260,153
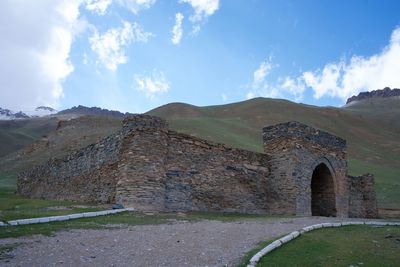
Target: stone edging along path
62,217
277,243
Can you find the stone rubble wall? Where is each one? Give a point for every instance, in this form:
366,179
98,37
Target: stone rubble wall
89,174
296,150
164,170
148,167
86,175
362,203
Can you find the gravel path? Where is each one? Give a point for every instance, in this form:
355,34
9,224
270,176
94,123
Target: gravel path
203,243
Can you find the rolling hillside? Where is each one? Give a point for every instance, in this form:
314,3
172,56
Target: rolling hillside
371,128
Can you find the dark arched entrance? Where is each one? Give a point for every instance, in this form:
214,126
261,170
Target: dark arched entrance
322,192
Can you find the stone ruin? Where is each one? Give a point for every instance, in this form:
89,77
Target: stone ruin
148,167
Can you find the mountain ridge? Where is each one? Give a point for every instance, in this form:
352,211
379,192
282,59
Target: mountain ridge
385,92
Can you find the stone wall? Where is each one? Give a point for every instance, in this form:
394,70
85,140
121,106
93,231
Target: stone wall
88,175
296,150
162,170
148,167
362,203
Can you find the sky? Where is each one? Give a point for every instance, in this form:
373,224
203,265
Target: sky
135,55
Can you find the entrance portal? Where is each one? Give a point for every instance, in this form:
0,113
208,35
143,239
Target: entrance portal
322,192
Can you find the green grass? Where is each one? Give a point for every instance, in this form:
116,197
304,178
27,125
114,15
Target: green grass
387,182
246,259
345,246
101,222
14,207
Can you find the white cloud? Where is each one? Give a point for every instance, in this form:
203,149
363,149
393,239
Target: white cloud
152,85
110,46
136,5
195,30
202,8
349,77
259,85
177,29
259,74
98,6
35,45
294,87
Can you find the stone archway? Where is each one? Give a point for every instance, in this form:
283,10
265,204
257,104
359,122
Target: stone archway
323,200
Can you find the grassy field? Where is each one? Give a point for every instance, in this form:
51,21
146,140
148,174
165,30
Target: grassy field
14,207
345,246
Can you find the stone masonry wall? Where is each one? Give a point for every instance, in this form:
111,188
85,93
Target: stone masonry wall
296,150
89,174
164,170
362,203
148,167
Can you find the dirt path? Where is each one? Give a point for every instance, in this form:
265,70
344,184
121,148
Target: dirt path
203,243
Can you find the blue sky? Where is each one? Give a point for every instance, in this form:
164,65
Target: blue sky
135,55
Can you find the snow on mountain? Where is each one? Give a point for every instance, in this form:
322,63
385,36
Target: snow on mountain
6,114
42,111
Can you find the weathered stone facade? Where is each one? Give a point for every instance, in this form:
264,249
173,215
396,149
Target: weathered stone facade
298,152
362,197
151,168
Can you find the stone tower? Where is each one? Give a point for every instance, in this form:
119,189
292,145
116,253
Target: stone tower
310,166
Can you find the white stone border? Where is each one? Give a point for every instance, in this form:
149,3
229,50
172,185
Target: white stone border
277,243
62,217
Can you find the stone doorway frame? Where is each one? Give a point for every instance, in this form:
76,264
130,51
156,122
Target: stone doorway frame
325,164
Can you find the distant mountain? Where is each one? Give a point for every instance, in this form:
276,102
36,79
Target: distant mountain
6,114
43,111
385,92
43,108
95,111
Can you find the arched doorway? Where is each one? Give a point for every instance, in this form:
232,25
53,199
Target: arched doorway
322,192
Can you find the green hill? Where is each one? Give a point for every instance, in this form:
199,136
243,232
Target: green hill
371,128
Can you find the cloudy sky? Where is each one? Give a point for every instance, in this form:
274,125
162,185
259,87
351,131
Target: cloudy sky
134,55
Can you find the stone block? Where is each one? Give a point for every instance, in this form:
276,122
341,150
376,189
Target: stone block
286,238
256,258
317,226
295,234
276,244
44,220
89,214
13,223
307,228
327,225
58,218
75,216
393,223
28,221
382,223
